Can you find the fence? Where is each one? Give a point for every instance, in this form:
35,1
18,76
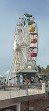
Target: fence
7,92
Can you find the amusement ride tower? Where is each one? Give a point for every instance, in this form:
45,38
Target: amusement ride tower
25,47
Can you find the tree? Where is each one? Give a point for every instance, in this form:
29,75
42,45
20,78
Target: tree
47,68
39,68
42,69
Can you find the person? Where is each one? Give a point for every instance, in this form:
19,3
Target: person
32,80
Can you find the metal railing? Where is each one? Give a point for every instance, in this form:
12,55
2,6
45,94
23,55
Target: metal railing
20,86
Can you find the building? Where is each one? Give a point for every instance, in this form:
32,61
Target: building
44,76
2,79
28,74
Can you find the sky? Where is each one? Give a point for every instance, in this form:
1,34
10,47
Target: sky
10,10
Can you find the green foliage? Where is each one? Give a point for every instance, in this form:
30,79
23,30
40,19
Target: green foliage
41,69
47,68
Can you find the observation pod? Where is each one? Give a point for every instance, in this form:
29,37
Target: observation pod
27,15
33,54
34,34
33,47
33,40
31,22
31,29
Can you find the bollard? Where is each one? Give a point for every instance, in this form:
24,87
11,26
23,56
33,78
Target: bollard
27,91
18,107
43,88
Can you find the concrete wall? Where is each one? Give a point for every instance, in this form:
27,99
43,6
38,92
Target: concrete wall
31,105
35,105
